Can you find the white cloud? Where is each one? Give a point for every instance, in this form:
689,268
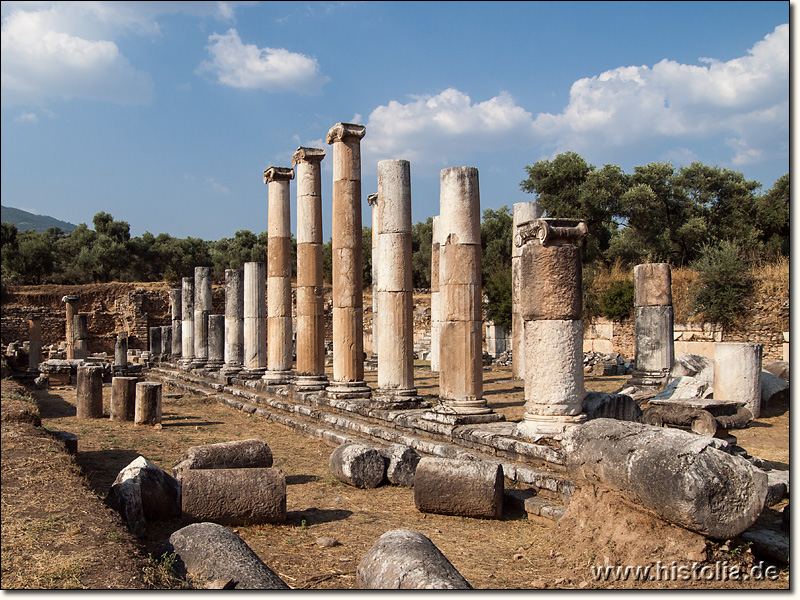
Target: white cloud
217,187
246,66
27,118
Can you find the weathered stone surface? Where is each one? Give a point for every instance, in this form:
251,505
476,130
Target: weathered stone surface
357,465
239,454
404,559
459,487
551,284
148,403
737,374
779,368
671,472
654,330
142,493
598,405
652,285
214,553
235,496
693,365
123,398
773,389
768,543
89,392
401,464
685,388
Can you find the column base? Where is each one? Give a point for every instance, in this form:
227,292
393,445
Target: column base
231,370
345,390
648,379
214,365
256,373
534,427
198,363
277,377
310,383
398,399
185,364
462,407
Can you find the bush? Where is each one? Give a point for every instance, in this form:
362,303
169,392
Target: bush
616,302
724,282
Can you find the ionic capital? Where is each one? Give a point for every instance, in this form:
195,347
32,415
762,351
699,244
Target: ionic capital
372,199
341,131
311,155
550,231
278,174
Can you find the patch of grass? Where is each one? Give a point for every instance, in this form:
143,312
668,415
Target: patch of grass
159,573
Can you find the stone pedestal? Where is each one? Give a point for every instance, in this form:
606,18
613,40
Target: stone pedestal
310,292
71,310
737,374
394,287
147,409
279,277
89,392
551,307
436,323
216,342
202,309
461,361
255,320
524,212
347,259
121,351
234,321
123,398
34,344
653,324
81,336
187,322
175,322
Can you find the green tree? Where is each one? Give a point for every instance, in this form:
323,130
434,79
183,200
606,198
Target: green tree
421,248
497,232
725,282
772,218
37,257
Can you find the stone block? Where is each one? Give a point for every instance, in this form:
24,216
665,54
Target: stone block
357,465
459,487
652,285
401,464
89,392
239,454
551,284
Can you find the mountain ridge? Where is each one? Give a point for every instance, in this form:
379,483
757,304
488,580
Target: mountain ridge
24,220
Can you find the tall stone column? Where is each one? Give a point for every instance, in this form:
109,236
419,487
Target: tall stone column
552,299
347,259
395,287
154,343
234,321
524,212
71,309
34,343
461,310
279,276
372,200
436,323
255,320
187,323
175,310
216,342
121,351
81,326
202,309
653,325
310,292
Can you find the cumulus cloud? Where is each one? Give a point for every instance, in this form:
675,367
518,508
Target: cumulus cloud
246,66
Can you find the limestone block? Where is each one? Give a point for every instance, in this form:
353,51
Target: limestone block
652,285
461,360
279,345
89,392
235,496
459,264
460,302
123,398
348,335
357,465
737,375
346,140
465,488
551,284
396,342
401,464
460,208
239,454
279,297
309,265
309,301
254,303
670,472
599,405
279,261
148,403
404,559
347,215
394,262
394,193
347,277
143,493
211,552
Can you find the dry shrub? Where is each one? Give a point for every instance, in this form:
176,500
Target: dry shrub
772,279
683,288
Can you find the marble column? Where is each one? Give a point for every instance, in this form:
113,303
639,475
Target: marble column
255,320
71,310
552,304
279,276
89,392
202,309
310,292
121,351
372,200
436,323
154,339
234,321
81,326
175,310
524,212
34,343
395,288
461,309
347,259
737,373
187,323
216,342
653,325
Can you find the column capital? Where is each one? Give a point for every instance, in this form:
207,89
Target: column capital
372,199
70,299
550,231
278,174
310,155
341,131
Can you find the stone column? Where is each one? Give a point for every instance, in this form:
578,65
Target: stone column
155,343
187,323
395,288
71,310
147,409
279,276
310,292
123,398
216,342
166,342
255,320
524,212
121,351
34,343
347,259
372,200
737,374
461,310
552,299
202,309
89,392
234,316
81,336
436,323
175,308
653,325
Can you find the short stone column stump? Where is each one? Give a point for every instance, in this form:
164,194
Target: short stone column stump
459,487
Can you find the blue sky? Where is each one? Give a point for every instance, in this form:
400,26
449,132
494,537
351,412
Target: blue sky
165,114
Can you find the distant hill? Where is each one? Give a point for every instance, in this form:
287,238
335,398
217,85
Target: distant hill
25,220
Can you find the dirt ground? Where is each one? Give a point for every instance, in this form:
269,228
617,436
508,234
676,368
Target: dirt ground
56,533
